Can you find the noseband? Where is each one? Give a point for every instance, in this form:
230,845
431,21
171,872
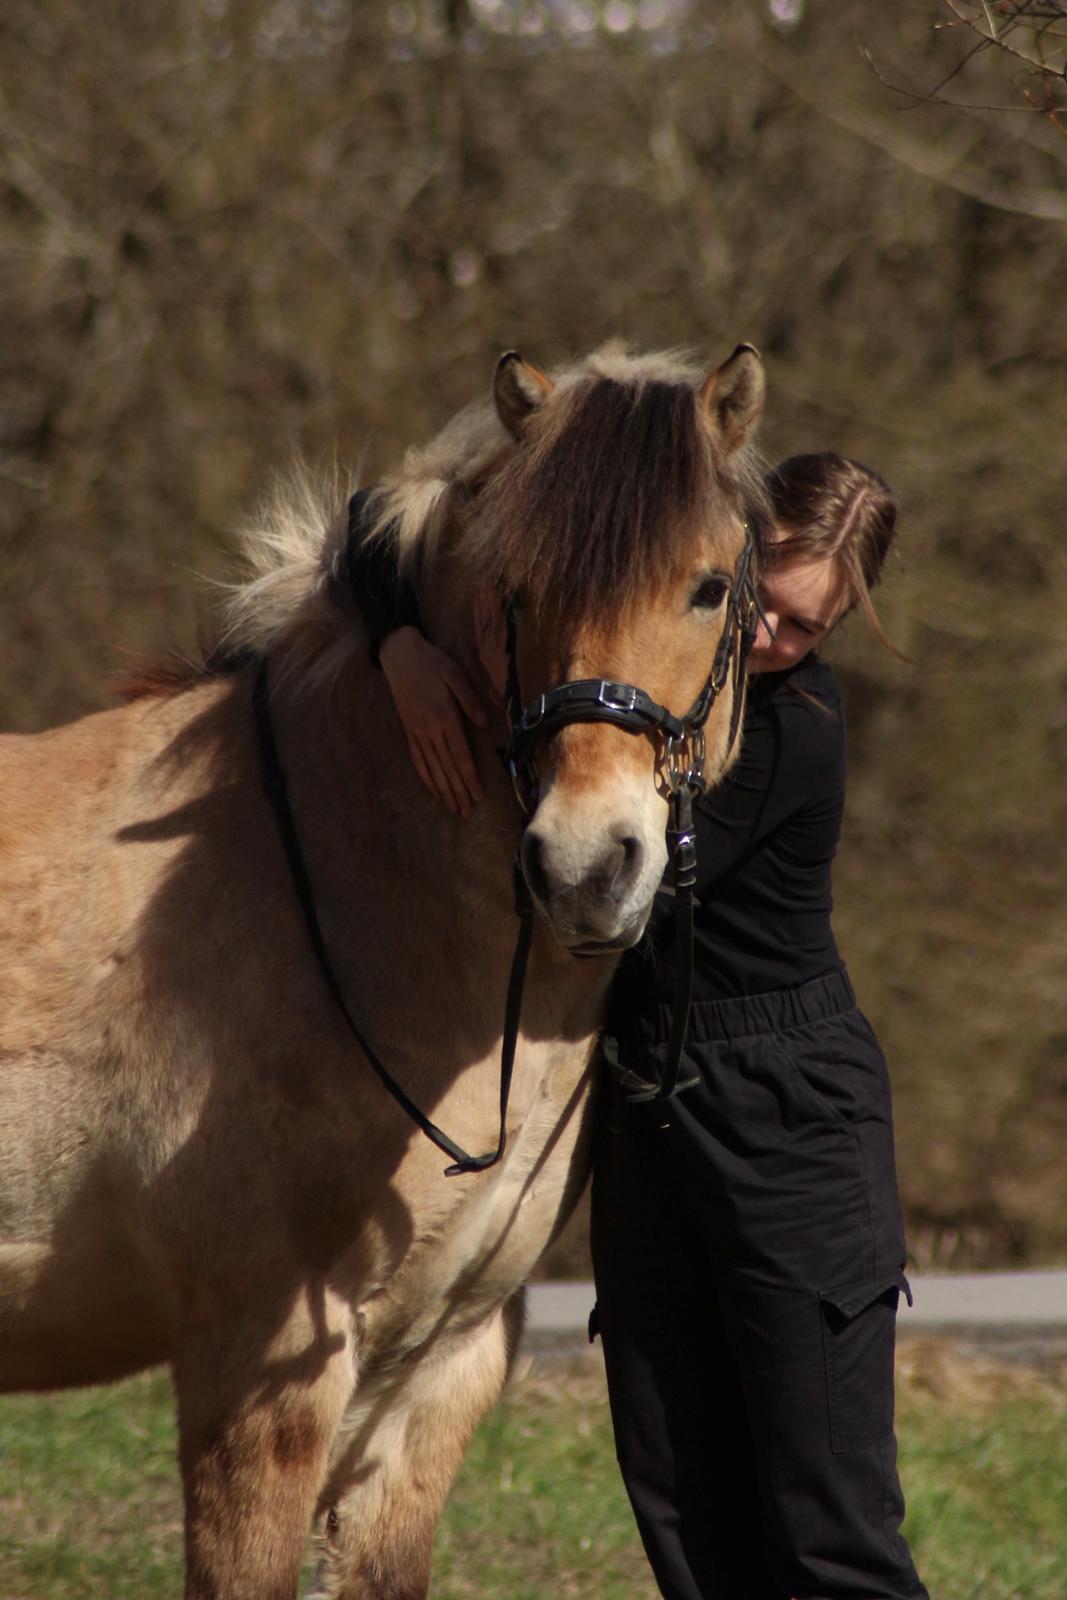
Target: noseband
626,706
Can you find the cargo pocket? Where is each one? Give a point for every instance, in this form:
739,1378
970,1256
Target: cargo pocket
858,1330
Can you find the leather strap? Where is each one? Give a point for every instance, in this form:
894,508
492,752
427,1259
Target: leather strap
681,838
274,783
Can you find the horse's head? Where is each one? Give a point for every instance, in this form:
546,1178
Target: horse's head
615,528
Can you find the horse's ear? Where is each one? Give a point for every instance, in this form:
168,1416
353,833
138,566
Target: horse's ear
518,389
732,397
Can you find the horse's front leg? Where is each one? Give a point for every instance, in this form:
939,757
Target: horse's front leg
402,1446
259,1400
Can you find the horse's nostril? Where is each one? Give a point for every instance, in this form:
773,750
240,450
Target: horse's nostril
631,850
627,858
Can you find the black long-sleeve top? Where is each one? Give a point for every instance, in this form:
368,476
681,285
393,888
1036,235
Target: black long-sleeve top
766,840
385,601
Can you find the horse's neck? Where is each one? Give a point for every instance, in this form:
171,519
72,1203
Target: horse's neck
415,901
353,748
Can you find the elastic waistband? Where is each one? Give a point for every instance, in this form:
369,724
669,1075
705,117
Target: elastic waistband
744,1015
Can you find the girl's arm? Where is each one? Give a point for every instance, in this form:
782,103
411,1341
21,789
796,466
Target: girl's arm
432,693
430,690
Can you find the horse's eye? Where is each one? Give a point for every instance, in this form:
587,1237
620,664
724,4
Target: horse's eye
711,593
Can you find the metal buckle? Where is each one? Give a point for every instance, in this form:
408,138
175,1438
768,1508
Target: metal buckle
617,696
684,761
698,749
533,714
523,777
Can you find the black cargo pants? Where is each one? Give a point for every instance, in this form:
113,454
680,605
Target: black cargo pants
748,1253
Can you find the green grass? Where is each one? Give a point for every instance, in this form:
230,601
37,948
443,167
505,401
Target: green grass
984,1465
539,1509
90,1506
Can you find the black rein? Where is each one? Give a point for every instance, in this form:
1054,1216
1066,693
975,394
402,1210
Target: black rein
277,793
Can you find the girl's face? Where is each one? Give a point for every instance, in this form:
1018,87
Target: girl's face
802,599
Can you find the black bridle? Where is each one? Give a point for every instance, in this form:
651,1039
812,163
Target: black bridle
626,706
682,763
584,700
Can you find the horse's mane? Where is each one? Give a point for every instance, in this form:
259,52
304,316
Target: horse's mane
597,508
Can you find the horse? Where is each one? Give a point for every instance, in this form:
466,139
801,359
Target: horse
197,1164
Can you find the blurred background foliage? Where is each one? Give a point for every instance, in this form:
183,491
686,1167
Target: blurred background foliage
234,230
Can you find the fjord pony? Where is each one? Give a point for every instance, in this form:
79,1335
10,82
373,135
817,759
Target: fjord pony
197,1165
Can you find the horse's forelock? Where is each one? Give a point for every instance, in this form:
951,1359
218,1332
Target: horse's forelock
602,503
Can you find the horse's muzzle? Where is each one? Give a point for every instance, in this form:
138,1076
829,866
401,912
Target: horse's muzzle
588,902
587,897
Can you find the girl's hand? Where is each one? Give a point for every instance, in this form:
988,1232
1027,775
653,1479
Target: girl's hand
432,694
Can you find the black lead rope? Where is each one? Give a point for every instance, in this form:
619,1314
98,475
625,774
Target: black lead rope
683,832
681,837
277,793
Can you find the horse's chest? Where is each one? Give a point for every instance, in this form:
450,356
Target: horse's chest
486,1238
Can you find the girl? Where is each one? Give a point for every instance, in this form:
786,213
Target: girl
747,1240
747,1244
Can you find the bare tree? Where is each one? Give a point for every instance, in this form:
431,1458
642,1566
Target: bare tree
1029,37
1032,35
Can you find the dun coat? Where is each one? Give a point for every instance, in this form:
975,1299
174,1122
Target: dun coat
196,1164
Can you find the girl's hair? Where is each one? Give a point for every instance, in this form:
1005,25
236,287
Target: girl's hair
826,507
